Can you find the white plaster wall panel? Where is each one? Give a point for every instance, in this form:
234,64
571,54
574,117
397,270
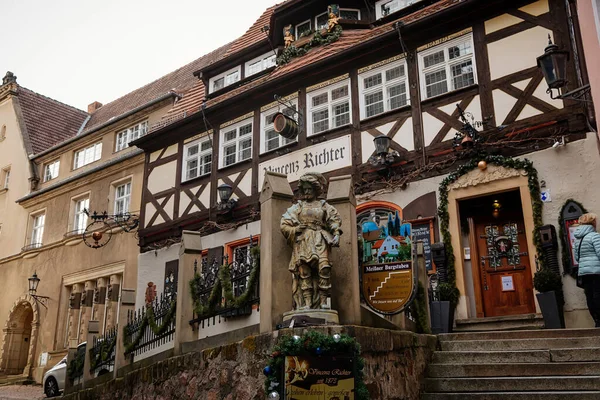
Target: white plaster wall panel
159,220
517,52
528,112
385,129
162,177
171,150
503,103
242,232
245,184
150,211
500,22
540,93
233,177
448,108
405,135
537,8
368,147
184,200
169,207
431,127
205,196
154,155
223,325
522,84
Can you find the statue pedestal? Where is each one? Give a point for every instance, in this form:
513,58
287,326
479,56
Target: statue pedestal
310,317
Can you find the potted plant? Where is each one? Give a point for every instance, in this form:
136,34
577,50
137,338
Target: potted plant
550,297
442,311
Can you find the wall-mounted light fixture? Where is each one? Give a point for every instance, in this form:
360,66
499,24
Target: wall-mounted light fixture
384,156
553,64
226,203
468,138
34,281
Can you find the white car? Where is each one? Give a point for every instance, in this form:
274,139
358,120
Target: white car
55,377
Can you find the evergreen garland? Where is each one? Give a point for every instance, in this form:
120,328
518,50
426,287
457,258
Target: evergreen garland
106,349
566,254
307,345
223,288
318,39
75,368
148,320
506,162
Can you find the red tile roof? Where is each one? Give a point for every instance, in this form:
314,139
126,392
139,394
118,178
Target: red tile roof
47,121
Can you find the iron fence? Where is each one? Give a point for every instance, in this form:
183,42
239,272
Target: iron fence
102,353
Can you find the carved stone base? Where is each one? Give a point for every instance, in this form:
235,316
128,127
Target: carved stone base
311,317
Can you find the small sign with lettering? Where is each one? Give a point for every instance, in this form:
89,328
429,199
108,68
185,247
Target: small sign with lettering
507,284
324,377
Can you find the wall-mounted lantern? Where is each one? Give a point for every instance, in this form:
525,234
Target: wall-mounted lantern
34,281
226,203
553,64
383,154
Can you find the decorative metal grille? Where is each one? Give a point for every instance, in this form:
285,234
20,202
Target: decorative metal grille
102,353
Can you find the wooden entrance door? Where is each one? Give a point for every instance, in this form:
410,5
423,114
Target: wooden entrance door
504,268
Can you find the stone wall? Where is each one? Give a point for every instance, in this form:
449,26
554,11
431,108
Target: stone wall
395,363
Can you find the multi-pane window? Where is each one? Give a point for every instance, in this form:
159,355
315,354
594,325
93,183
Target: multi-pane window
51,170
236,143
271,140
224,79
37,229
383,89
79,214
130,134
5,177
447,67
122,198
321,21
303,29
87,156
351,14
329,108
384,8
197,158
260,64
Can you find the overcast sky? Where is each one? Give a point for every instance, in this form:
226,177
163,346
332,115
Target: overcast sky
80,51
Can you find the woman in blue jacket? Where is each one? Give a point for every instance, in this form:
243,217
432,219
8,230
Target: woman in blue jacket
587,253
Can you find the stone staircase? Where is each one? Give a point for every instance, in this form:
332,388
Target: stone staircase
525,364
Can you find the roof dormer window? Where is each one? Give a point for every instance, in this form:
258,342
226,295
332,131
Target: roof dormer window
383,8
350,14
304,29
321,21
225,79
261,63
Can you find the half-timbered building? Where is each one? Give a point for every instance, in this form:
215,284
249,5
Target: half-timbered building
419,73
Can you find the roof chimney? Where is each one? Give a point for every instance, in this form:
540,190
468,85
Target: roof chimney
94,107
9,78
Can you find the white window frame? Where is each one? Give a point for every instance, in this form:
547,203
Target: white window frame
51,170
596,8
400,4
310,22
80,218
5,178
95,150
125,198
384,86
224,75
329,106
267,60
123,138
265,125
447,64
198,157
38,221
350,9
237,140
317,25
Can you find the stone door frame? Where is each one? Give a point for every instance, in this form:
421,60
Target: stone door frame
23,301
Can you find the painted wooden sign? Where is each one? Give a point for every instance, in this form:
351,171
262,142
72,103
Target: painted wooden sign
319,378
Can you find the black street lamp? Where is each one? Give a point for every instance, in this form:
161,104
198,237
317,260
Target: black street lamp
553,64
34,281
226,203
384,156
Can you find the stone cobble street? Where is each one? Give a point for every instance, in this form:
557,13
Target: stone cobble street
21,392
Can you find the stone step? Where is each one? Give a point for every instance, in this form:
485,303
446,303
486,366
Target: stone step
570,395
517,369
517,356
522,334
513,384
510,322
520,344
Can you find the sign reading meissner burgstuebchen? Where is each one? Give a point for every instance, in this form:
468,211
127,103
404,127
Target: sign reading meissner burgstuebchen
323,157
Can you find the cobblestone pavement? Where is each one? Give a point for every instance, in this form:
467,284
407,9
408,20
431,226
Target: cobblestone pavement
21,392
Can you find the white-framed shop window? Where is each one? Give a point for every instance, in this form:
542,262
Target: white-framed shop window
87,156
197,159
225,79
51,170
37,229
269,139
383,89
383,8
329,107
122,198
447,67
80,218
130,134
236,143
261,63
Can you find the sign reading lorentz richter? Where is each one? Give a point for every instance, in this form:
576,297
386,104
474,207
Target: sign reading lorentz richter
319,378
323,157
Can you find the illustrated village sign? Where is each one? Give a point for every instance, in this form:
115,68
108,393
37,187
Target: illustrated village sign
388,261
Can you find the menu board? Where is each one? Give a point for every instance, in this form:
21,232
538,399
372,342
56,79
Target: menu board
422,230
